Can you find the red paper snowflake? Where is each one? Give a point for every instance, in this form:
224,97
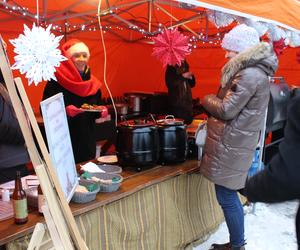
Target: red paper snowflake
171,47
279,46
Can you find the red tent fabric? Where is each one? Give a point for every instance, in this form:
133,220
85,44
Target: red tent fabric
130,66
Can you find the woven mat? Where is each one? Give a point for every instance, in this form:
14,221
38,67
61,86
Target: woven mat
6,210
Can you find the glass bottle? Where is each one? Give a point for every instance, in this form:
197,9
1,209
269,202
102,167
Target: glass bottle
41,199
19,201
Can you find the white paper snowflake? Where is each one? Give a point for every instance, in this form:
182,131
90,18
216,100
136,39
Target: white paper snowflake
293,38
38,54
220,19
276,33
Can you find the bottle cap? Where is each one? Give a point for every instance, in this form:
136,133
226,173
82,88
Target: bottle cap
5,195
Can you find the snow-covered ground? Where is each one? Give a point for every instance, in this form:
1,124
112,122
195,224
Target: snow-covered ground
270,227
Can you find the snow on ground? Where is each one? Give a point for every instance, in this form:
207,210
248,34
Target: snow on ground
270,227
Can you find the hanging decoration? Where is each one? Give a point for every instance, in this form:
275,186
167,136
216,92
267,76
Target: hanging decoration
279,46
38,54
220,19
275,33
260,27
171,47
294,38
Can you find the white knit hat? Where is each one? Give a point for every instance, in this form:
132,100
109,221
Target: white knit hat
240,38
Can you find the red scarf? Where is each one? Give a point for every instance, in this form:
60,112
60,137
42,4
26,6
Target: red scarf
68,76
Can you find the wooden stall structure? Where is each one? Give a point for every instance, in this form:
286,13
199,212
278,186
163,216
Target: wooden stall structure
160,195
164,207
65,230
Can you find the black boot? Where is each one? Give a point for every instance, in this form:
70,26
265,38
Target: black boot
225,246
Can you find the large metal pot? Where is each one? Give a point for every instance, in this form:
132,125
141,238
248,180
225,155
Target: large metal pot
137,101
137,143
277,108
172,140
122,108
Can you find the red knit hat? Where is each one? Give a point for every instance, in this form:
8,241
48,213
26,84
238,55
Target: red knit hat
74,46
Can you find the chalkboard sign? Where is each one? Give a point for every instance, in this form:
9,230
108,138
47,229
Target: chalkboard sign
59,143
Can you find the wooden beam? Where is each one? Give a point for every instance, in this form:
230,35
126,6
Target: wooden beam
59,207
176,19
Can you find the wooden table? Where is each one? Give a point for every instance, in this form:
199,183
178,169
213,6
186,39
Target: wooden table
133,183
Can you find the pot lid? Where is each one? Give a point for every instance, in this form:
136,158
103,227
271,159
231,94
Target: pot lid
138,94
170,120
121,105
137,123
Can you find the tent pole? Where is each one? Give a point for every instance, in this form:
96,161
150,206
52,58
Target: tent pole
149,15
170,15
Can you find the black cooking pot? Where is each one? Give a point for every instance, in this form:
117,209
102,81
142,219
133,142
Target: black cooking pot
172,140
137,143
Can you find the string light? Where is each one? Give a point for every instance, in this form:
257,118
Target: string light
88,26
24,11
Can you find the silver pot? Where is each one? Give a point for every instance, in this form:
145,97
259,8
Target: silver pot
136,101
122,108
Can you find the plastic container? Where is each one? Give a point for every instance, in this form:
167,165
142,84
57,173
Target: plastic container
5,195
79,197
110,169
108,159
112,186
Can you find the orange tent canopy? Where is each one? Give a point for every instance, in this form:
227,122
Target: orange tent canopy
130,66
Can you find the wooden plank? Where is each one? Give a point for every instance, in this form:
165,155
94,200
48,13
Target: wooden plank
54,234
37,237
36,160
134,182
54,213
60,209
64,205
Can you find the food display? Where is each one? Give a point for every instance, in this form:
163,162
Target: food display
81,189
110,159
89,107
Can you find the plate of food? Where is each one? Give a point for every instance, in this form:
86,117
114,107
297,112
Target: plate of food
108,159
91,107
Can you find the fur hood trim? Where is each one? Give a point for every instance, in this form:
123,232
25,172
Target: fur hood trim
247,58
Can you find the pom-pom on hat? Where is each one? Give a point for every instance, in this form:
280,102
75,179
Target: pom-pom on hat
240,38
74,46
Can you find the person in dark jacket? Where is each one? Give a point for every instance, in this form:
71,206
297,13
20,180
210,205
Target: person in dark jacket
236,117
180,81
78,86
280,180
13,153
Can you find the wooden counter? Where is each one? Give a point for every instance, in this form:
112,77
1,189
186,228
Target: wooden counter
133,182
